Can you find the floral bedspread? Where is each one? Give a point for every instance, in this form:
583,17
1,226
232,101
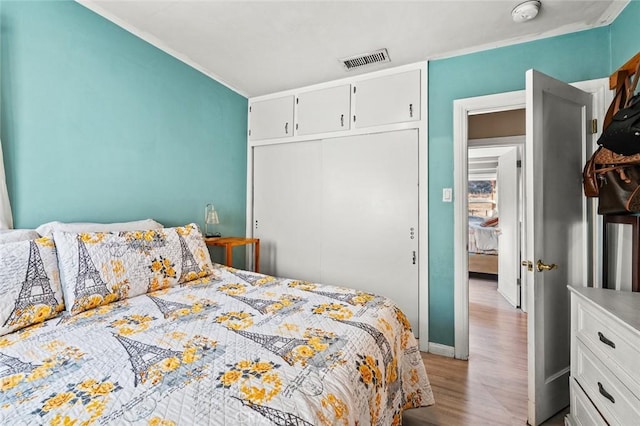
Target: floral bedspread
239,348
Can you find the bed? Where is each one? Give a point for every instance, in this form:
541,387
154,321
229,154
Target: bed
483,246
222,346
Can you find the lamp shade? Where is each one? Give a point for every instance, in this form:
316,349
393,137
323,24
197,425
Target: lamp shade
210,221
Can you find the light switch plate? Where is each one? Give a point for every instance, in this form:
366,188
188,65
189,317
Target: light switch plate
447,195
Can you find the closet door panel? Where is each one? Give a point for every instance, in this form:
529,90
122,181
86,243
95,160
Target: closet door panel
370,216
286,206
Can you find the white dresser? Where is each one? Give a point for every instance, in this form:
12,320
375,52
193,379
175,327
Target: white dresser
605,357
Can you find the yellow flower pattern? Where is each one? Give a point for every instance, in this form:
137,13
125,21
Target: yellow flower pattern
333,310
92,394
258,381
336,411
236,320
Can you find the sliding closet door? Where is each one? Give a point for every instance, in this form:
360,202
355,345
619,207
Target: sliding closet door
286,208
370,216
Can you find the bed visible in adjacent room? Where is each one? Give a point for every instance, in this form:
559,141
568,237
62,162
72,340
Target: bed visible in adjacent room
483,245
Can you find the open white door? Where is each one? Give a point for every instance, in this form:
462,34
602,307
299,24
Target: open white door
508,240
556,232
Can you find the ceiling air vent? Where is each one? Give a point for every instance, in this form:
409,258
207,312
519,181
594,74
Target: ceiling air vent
366,59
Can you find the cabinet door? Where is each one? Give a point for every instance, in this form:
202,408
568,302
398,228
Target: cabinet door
325,110
271,119
370,216
390,99
286,208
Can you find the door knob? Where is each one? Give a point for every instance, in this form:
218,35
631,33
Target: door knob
544,267
528,264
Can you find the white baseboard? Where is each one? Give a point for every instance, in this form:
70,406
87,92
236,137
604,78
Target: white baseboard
442,350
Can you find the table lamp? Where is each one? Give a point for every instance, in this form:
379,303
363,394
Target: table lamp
210,221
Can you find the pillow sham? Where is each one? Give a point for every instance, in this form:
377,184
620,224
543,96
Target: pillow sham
30,290
14,235
47,229
98,268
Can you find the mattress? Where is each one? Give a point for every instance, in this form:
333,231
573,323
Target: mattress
239,348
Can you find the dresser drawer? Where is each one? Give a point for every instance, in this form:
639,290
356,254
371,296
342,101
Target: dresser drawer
583,413
610,396
609,340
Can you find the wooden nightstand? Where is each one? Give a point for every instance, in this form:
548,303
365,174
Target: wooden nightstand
230,242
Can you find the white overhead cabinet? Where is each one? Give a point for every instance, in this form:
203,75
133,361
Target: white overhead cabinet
389,99
325,110
271,118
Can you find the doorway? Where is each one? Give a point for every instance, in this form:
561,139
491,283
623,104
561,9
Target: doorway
497,325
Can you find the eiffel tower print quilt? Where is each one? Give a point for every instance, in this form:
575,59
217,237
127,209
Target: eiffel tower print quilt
232,348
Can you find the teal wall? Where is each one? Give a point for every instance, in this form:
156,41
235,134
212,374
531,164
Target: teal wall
625,35
98,125
573,57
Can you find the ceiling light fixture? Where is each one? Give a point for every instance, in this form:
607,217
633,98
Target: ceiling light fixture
526,11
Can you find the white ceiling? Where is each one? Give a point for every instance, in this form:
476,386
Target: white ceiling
263,47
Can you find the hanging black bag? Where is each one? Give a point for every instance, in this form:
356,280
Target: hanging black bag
622,134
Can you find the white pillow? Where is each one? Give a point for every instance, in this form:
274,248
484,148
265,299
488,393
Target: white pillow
47,229
15,235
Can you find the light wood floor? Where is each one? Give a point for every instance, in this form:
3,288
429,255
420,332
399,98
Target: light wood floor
490,388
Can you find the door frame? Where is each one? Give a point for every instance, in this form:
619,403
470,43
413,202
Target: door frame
462,108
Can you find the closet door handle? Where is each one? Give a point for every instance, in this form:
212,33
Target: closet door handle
606,341
606,394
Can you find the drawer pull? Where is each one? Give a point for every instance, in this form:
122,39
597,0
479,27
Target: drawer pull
606,394
605,340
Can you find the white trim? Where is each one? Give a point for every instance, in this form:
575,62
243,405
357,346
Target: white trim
462,108
423,214
442,350
602,97
156,42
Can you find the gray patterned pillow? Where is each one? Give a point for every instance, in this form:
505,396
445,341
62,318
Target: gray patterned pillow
30,290
98,268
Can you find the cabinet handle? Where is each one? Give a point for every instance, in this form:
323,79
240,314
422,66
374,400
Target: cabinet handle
605,340
341,120
410,110
606,394
414,257
286,128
